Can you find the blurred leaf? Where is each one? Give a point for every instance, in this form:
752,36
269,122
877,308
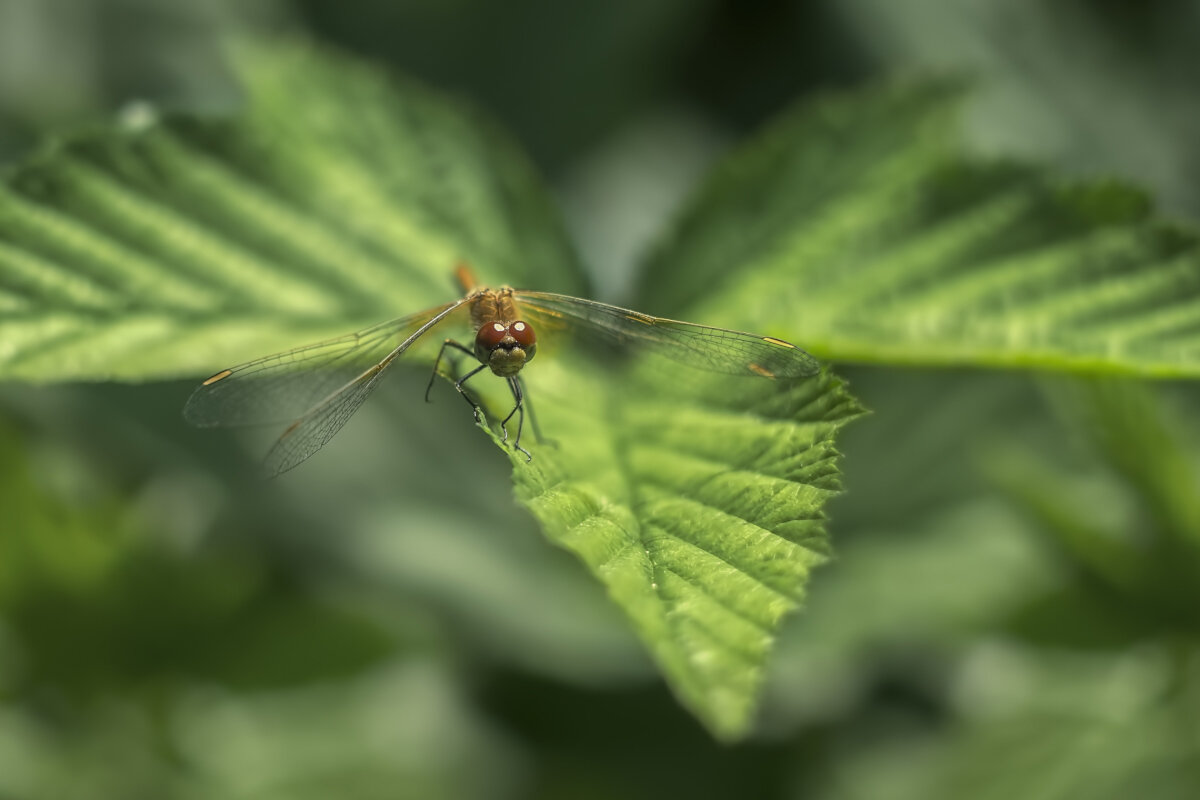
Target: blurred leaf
1087,519
93,603
1049,727
1145,442
927,587
1092,87
916,456
610,58
74,544
399,732
1129,525
857,227
403,731
341,199
492,589
112,752
213,618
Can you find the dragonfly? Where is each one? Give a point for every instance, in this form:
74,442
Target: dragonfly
315,389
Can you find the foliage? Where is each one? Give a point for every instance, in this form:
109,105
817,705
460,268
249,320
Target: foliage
1012,611
339,198
858,226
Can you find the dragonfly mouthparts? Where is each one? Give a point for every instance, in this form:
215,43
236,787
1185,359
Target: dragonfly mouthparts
507,359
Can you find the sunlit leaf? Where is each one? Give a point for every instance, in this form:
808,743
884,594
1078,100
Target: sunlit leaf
340,199
697,500
858,226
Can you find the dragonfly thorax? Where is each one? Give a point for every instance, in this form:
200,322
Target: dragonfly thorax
505,349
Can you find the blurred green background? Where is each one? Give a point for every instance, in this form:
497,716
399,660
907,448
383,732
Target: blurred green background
1009,615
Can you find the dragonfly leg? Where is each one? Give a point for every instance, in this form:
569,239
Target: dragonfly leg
519,410
459,386
537,429
437,361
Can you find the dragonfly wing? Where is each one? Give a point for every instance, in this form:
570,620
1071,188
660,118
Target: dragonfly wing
716,349
313,431
285,386
310,431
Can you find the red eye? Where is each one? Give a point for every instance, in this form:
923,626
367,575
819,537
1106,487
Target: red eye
489,335
523,333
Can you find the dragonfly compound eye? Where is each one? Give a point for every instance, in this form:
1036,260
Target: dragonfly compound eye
490,336
523,333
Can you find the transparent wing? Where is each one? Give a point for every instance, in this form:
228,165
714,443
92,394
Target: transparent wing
313,431
314,378
716,349
284,386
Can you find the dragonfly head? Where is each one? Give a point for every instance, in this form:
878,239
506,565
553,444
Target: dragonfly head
505,348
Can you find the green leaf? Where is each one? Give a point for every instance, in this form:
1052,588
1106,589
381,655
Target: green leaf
338,200
696,499
858,227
